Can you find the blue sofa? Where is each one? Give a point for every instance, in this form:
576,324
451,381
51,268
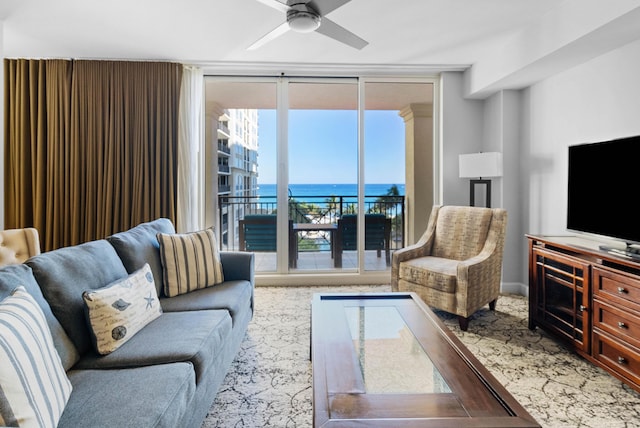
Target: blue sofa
168,373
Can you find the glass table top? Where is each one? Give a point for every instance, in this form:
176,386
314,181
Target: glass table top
392,361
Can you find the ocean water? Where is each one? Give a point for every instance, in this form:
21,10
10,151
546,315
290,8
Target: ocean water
327,190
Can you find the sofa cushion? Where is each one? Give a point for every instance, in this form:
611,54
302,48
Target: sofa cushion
139,245
118,311
16,275
64,274
34,387
155,396
234,296
190,261
195,336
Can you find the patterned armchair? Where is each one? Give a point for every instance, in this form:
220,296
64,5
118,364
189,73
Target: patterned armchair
17,245
456,266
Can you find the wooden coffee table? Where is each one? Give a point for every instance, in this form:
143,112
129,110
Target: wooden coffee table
386,360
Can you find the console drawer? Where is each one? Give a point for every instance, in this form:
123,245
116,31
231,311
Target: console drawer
618,357
617,287
620,323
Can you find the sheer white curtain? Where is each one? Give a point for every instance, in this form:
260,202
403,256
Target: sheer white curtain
190,134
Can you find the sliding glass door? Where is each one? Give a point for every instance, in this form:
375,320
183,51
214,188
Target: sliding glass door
313,175
398,154
323,173
240,152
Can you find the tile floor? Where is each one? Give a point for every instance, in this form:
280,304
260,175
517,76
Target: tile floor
322,260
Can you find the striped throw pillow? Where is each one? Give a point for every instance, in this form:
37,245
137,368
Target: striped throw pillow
34,388
118,311
190,261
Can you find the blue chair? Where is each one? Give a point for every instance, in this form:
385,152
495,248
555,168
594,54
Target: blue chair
377,235
258,233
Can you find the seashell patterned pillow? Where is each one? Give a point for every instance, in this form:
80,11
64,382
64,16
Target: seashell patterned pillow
115,313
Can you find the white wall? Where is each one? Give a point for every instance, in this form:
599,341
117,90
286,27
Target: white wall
595,101
462,132
502,133
493,124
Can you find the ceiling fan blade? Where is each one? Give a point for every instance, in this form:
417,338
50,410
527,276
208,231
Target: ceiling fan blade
341,34
278,31
275,4
323,7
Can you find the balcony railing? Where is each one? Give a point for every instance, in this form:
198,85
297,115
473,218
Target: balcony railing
320,209
224,147
224,128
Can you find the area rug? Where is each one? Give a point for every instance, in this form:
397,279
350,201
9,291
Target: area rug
269,383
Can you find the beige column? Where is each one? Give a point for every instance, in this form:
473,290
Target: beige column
419,189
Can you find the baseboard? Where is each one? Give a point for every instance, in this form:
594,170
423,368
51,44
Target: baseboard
371,278
515,288
319,278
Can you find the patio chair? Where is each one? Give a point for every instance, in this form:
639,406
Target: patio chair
17,245
456,265
258,234
377,236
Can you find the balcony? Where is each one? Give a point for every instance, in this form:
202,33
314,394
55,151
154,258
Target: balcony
314,222
223,130
223,147
223,169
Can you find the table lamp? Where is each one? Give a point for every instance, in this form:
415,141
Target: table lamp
479,167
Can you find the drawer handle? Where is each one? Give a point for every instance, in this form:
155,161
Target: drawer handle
622,325
622,290
582,308
622,360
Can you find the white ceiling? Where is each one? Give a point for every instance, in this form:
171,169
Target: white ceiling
414,36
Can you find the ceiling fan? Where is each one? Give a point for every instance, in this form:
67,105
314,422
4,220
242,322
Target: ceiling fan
305,16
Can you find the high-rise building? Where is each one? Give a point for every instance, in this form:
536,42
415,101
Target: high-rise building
237,134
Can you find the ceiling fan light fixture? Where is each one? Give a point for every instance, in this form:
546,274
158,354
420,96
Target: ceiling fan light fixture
303,21
306,16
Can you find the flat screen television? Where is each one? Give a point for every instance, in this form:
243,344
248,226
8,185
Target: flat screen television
604,191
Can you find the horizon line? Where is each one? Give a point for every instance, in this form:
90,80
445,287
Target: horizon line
295,184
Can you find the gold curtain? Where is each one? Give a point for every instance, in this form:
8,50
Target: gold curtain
90,146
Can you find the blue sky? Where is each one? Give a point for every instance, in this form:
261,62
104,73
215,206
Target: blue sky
323,144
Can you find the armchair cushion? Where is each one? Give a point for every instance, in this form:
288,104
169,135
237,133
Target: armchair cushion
437,272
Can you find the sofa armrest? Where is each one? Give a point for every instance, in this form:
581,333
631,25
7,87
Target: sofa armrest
238,265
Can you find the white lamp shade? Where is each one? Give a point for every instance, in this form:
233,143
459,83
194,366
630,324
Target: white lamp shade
487,164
